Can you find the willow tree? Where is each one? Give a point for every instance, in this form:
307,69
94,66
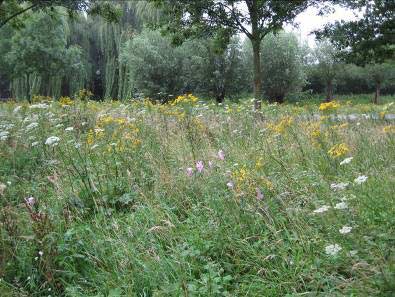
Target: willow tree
110,38
12,10
38,54
254,18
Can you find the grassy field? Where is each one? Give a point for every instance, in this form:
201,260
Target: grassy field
193,199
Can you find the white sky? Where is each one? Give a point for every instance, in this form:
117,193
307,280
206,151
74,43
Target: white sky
309,21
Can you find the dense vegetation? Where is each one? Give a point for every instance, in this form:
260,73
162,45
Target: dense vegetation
195,148
125,59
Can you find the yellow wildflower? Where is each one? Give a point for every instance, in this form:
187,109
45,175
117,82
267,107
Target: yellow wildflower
389,129
188,98
327,106
338,150
281,125
65,101
259,163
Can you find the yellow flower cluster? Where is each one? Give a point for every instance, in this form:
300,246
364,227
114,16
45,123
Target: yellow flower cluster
65,101
328,106
389,129
116,129
164,109
339,127
39,98
83,95
259,163
283,124
338,150
187,98
241,175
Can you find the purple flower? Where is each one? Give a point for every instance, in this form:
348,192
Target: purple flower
199,166
259,194
230,185
221,155
30,201
189,171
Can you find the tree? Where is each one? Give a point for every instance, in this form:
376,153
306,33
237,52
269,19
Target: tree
328,66
38,57
213,73
369,39
153,66
10,10
254,18
282,66
379,74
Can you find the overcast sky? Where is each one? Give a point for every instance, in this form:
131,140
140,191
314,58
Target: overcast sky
310,21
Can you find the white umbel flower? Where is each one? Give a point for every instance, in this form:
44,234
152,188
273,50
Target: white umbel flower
341,205
346,161
339,186
52,141
345,230
360,179
322,209
332,249
31,126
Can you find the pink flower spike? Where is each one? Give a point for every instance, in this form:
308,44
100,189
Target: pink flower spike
189,171
199,166
30,201
259,194
230,185
221,155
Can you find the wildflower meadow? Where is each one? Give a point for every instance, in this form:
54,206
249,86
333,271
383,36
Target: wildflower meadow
193,198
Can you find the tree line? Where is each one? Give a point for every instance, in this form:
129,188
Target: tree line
137,49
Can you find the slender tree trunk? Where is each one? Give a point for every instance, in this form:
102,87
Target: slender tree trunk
376,98
256,47
329,91
29,98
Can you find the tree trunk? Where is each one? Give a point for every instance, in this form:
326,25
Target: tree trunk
29,98
329,91
376,98
220,96
256,47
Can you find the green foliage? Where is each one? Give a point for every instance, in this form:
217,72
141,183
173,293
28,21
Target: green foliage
153,65
38,58
369,39
113,216
185,19
282,70
157,69
10,10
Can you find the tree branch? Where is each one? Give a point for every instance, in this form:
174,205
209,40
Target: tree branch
16,14
238,25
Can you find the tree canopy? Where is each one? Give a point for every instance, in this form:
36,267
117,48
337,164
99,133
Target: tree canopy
254,18
368,39
10,10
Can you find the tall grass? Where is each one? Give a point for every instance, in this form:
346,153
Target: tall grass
118,206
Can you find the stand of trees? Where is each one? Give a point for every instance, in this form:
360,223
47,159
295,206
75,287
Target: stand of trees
223,49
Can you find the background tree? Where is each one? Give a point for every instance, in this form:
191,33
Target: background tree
369,39
11,10
39,56
282,66
379,74
254,18
153,66
328,66
212,72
